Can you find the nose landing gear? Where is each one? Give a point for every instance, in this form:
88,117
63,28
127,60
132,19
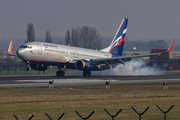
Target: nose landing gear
28,68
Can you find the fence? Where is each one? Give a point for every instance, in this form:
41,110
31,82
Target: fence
112,116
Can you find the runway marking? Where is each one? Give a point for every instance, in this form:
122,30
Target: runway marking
65,82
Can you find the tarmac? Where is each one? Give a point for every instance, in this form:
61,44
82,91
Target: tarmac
35,81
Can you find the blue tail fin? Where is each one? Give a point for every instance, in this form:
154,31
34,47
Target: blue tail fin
117,44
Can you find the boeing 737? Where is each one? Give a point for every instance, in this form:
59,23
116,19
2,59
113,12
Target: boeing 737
40,55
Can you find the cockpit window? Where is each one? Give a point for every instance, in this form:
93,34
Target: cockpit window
24,46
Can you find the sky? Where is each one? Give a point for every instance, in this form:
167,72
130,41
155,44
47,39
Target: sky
148,19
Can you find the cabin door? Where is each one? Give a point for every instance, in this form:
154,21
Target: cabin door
39,49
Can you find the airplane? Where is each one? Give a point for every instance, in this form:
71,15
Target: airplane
40,55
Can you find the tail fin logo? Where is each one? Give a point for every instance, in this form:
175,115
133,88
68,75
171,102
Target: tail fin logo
117,44
119,40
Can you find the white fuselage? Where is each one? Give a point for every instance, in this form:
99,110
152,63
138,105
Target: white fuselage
51,53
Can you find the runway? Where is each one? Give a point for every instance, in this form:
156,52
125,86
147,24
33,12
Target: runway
34,81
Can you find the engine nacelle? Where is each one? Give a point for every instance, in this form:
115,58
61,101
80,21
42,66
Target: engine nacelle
84,64
39,67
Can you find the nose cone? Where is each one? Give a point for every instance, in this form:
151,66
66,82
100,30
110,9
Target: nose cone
20,53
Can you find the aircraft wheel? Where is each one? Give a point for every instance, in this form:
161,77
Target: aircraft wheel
84,73
89,73
62,73
58,73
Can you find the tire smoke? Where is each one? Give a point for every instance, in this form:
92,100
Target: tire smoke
134,67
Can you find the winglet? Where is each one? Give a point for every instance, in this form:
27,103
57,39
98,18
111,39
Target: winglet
169,49
10,48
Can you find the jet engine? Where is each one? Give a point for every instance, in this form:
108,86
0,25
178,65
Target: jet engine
84,64
38,67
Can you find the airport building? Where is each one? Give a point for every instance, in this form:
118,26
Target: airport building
174,64
165,61
160,61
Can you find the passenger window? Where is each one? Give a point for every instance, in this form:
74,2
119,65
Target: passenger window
29,47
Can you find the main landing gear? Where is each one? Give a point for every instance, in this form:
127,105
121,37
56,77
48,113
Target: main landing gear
87,73
60,73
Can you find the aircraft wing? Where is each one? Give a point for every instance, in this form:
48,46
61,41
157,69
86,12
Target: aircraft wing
123,59
10,50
